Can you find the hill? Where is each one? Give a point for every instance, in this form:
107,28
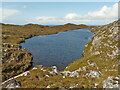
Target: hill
97,69
16,59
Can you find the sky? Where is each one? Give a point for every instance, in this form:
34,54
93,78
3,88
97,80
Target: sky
56,13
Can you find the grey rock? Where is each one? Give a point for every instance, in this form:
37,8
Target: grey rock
111,82
11,84
71,74
52,72
93,74
55,69
74,74
66,73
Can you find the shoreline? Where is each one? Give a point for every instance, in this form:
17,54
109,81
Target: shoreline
92,37
54,34
47,31
97,69
31,67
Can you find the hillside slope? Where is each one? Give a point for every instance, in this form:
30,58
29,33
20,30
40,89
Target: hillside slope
97,69
100,55
16,59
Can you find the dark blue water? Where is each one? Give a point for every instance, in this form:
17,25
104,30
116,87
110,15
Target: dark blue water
58,49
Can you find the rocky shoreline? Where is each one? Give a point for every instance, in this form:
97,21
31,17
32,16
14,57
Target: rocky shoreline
16,59
97,69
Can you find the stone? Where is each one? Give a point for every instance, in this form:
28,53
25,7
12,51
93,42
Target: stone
63,76
54,69
11,84
34,68
47,75
66,73
93,74
74,74
51,72
48,86
71,74
111,82
96,53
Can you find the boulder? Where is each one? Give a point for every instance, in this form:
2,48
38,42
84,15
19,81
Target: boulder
111,82
66,73
71,74
11,84
93,74
54,69
74,74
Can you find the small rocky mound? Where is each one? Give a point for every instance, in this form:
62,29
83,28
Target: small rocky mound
11,84
112,82
97,69
93,74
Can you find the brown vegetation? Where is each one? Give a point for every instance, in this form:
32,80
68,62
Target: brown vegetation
15,59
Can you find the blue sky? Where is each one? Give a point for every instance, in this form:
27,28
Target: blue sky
59,12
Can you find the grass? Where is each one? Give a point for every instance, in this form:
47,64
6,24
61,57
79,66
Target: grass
103,63
16,34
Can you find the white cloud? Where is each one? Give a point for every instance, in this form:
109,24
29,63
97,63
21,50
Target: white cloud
105,12
24,6
102,16
6,13
71,16
46,18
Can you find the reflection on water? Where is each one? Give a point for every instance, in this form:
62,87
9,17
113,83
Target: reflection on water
58,49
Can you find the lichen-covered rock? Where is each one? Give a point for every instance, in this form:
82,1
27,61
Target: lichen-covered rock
111,82
55,69
66,73
74,74
11,84
93,74
71,74
101,56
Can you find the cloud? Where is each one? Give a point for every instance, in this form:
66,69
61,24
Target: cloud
46,18
6,13
71,16
24,6
105,12
102,16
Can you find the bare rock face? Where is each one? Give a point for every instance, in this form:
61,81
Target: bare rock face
71,74
66,73
101,57
93,74
11,84
74,74
111,82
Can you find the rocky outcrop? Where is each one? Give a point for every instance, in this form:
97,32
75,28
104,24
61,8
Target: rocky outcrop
16,59
111,82
71,74
100,59
97,69
93,74
11,84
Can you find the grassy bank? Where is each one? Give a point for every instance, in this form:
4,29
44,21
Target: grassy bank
15,59
100,62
